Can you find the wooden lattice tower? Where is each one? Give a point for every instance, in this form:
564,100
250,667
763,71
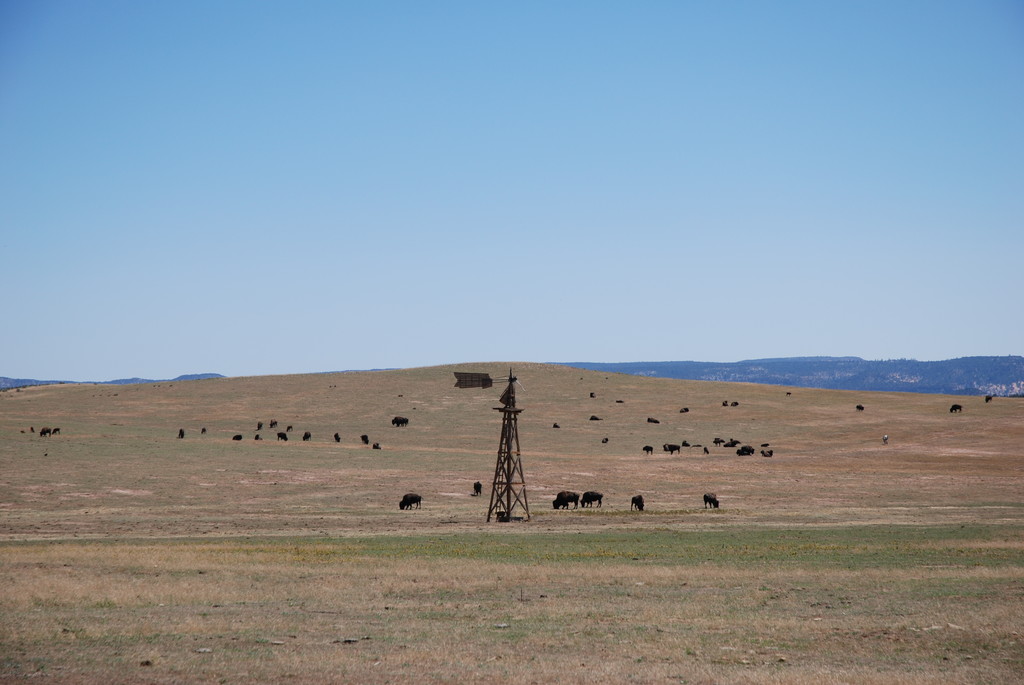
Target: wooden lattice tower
508,490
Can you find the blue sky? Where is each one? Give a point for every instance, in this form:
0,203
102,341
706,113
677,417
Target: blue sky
272,187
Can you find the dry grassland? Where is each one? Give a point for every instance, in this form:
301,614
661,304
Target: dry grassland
128,555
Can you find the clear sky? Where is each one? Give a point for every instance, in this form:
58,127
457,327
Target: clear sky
264,187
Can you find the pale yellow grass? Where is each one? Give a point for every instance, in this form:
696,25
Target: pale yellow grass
131,556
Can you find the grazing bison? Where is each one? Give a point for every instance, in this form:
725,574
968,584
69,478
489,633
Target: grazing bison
734,404
860,407
745,451
725,403
257,437
706,451
410,500
203,432
589,497
988,398
956,408
45,431
259,425
478,488
55,431
337,437
288,429
238,436
563,499
650,420
365,439
684,410
637,502
306,436
282,436
648,449
718,441
376,445
399,422
710,500
555,425
671,449
273,423
181,433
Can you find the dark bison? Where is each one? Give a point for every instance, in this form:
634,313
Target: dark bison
238,436
273,423
478,488
671,449
259,425
767,453
988,398
589,497
289,429
731,443
282,436
636,503
555,425
563,499
734,404
55,431
257,437
376,445
956,408
718,441
706,451
650,420
595,418
684,410
860,407
203,432
410,500
399,422
45,431
604,441
648,449
181,432
365,439
337,437
306,436
745,451
710,500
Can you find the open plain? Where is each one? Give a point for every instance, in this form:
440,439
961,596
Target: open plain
128,554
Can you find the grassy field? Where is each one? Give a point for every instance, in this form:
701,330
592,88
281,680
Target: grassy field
129,555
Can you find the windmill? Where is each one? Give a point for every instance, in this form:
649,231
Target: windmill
508,491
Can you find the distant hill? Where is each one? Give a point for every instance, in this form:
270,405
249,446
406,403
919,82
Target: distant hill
22,382
963,376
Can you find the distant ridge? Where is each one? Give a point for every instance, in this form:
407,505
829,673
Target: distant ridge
6,383
963,376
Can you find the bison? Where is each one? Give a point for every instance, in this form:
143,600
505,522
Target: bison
637,502
589,497
860,407
650,420
273,423
563,499
181,433
282,436
337,437
648,449
684,410
238,436
745,451
710,500
399,422
478,488
956,408
671,449
410,500
45,431
365,439
306,436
